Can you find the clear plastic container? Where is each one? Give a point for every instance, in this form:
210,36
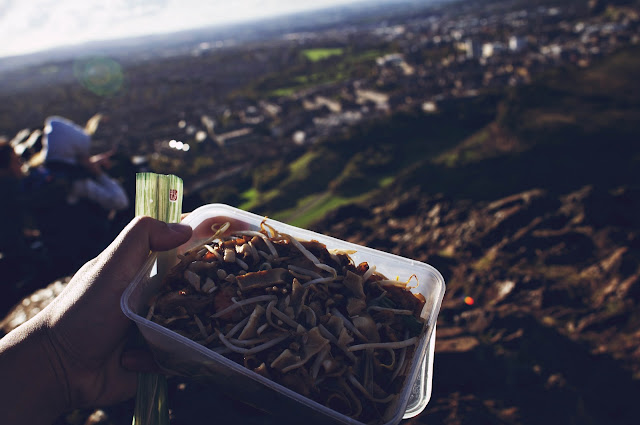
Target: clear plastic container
180,355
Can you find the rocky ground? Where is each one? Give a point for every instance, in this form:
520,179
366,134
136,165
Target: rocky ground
540,320
552,334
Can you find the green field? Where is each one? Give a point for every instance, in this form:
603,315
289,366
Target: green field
313,70
315,55
548,134
313,208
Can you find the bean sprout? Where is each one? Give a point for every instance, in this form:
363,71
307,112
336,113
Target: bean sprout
244,302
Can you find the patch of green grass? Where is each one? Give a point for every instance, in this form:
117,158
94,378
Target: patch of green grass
316,55
450,159
253,197
386,181
468,151
312,208
304,82
250,198
302,76
285,91
300,166
369,55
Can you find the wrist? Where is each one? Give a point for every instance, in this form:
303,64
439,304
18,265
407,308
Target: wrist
35,390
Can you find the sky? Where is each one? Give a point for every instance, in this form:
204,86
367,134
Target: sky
27,26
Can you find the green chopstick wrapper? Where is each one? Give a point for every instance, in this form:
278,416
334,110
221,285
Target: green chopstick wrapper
158,196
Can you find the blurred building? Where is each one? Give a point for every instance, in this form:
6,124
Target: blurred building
473,49
517,43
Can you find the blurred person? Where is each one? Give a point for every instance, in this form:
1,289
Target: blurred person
88,199
24,263
66,148
14,249
73,354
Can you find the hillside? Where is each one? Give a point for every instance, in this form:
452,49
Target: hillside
536,218
567,129
364,160
528,202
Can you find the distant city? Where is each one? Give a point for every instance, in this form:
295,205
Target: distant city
286,84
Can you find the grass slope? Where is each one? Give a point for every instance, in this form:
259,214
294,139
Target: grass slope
351,168
568,129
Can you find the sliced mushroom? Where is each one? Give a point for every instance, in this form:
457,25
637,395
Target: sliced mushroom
335,325
261,279
344,339
298,295
209,286
250,329
367,326
314,343
355,306
309,316
286,358
354,282
192,278
262,370
229,255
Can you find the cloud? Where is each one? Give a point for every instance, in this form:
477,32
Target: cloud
40,24
33,25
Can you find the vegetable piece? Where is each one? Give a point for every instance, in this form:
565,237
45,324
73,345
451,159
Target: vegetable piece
160,197
261,278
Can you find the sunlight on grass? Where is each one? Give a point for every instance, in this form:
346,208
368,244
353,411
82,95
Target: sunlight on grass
310,209
250,198
314,207
386,181
315,55
300,166
319,211
253,197
285,91
337,73
468,151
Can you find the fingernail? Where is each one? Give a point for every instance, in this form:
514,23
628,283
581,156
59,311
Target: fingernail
180,228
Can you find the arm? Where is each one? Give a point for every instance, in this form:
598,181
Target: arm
92,167
33,388
72,354
103,190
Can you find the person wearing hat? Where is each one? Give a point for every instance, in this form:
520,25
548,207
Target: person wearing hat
66,148
82,195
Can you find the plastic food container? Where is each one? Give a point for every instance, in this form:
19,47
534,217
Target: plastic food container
180,355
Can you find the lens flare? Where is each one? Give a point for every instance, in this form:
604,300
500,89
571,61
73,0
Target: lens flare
102,76
468,300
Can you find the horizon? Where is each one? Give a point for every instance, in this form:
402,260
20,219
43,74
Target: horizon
33,30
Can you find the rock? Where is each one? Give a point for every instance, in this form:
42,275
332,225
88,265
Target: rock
460,344
32,305
555,280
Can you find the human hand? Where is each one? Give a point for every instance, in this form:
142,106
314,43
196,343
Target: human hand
86,327
102,160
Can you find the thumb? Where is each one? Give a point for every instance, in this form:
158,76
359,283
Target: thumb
130,249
